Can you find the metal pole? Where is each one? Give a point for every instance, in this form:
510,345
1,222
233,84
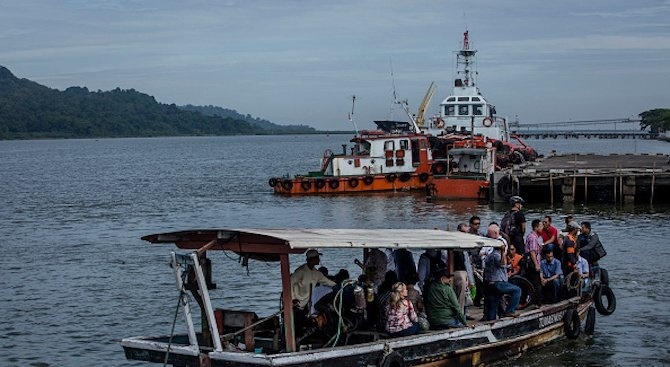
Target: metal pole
574,179
586,187
551,189
653,181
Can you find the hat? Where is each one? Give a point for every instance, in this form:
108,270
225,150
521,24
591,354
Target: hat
516,199
312,254
444,272
573,225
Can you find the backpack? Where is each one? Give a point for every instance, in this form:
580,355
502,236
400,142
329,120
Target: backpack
507,224
526,263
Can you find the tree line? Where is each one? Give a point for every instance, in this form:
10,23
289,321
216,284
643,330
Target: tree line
29,110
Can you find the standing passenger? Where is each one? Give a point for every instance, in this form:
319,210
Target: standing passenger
533,246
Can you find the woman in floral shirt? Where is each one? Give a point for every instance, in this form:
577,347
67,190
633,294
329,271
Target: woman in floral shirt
401,317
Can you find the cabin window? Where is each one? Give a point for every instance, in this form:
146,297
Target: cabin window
404,144
450,110
477,109
463,99
476,99
462,110
451,99
389,145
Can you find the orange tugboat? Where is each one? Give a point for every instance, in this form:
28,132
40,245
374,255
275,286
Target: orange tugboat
389,159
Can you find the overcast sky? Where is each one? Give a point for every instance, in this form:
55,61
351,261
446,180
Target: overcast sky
300,61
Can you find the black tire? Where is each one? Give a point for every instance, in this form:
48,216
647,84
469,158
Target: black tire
334,184
368,180
306,185
423,177
604,277
527,291
320,183
353,182
391,177
590,324
287,185
571,323
272,182
404,177
439,168
505,186
393,359
606,292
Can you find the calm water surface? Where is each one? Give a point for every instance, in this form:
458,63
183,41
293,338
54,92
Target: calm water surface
76,278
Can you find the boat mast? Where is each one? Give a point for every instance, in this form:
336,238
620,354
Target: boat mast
466,58
351,115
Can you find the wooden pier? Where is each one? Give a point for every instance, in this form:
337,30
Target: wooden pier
590,178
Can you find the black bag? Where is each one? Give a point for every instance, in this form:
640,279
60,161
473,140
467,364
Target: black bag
599,251
526,263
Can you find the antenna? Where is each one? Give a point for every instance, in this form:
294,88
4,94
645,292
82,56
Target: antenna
351,115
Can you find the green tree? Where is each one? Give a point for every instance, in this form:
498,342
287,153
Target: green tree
656,120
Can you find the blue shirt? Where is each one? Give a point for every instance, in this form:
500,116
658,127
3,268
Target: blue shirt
551,269
493,270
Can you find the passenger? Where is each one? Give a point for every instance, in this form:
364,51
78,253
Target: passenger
414,292
533,246
513,259
401,318
404,263
589,243
496,285
569,247
550,236
375,266
442,308
462,278
475,225
568,219
303,281
551,275
462,227
320,290
429,262
383,295
517,227
583,271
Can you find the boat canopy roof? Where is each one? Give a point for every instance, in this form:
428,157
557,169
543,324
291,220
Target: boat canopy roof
267,244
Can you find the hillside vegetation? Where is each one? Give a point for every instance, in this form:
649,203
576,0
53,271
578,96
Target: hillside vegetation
29,110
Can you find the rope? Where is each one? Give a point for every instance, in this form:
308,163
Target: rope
174,322
568,282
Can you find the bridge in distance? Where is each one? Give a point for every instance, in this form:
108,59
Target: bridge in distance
602,129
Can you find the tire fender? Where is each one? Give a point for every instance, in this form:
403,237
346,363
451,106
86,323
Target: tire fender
590,324
393,359
604,291
571,323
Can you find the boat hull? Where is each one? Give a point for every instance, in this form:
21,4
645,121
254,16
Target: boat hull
454,187
484,344
328,185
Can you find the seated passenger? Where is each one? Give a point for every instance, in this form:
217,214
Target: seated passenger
513,258
401,318
582,268
550,276
441,304
413,292
382,299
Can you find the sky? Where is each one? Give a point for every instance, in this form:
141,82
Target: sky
301,61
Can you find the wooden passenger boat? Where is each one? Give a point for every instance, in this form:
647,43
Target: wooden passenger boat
240,338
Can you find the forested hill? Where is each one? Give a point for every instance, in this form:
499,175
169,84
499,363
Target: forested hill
254,121
29,110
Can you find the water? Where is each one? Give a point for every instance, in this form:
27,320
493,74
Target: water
77,278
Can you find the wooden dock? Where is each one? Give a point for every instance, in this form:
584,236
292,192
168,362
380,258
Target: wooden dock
590,178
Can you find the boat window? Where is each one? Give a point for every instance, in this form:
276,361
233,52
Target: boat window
477,109
476,99
451,99
389,145
463,99
462,109
450,110
404,144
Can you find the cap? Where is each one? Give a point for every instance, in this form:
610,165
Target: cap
516,199
312,254
444,272
573,225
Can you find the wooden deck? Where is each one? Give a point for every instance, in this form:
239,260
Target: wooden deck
615,178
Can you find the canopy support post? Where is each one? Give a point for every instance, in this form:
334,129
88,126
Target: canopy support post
287,303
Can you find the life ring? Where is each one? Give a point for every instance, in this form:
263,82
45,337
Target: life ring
527,290
571,323
320,183
393,359
439,123
287,185
272,182
487,122
590,324
306,185
423,176
391,177
368,180
604,291
404,177
353,182
439,168
334,183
